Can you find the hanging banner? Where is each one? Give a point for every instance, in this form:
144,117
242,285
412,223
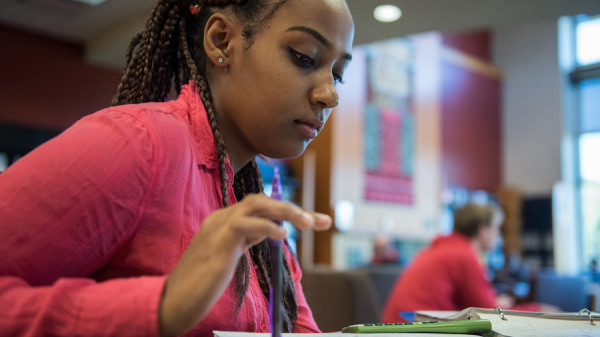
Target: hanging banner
389,123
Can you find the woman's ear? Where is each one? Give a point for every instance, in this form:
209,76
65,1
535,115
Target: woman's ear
218,34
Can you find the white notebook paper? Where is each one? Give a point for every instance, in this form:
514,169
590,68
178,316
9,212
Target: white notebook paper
512,323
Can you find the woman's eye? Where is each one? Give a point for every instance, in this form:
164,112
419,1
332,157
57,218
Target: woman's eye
301,59
307,61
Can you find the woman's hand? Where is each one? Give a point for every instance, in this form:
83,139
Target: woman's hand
208,264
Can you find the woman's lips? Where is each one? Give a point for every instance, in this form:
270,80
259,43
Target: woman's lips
310,128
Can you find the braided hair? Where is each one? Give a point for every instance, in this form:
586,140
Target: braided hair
169,53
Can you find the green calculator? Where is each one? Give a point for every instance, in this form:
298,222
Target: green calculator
477,326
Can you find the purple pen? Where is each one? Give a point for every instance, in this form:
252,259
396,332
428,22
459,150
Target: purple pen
276,265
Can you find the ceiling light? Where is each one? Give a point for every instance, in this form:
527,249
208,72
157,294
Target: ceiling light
91,2
387,13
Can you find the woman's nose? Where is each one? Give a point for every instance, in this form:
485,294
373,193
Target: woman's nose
325,94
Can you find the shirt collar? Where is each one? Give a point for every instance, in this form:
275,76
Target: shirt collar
206,149
452,237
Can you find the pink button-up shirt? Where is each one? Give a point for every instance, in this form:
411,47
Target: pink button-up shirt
93,220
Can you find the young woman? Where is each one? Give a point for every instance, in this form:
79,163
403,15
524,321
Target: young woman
146,218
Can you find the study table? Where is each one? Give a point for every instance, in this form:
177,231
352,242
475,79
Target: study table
507,323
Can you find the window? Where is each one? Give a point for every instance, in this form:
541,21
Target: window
584,108
589,163
587,44
16,141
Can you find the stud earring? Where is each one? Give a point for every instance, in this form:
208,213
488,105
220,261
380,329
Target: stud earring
220,60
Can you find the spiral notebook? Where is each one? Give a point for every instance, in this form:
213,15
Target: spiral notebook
513,323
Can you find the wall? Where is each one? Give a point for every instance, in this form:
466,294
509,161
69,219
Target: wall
46,84
458,139
417,221
471,133
531,100
476,43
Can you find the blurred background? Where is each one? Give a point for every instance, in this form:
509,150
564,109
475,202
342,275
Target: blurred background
454,101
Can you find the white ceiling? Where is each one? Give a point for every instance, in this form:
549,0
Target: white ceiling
105,30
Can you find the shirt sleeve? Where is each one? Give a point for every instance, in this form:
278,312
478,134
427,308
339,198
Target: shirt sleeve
65,209
305,323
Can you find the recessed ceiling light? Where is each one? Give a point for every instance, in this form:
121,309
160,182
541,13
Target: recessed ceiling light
91,2
387,13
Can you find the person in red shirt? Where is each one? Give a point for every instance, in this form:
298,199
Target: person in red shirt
450,274
147,218
384,252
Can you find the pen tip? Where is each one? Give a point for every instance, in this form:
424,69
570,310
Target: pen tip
277,189
276,177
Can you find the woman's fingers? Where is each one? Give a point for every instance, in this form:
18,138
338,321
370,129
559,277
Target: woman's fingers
253,230
259,205
322,221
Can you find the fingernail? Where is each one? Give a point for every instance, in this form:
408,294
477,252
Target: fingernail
307,216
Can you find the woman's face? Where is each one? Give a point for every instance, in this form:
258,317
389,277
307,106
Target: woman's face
277,95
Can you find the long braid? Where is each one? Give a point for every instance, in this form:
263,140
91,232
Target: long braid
124,85
210,110
151,61
134,42
154,61
242,271
250,181
263,254
166,63
170,51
